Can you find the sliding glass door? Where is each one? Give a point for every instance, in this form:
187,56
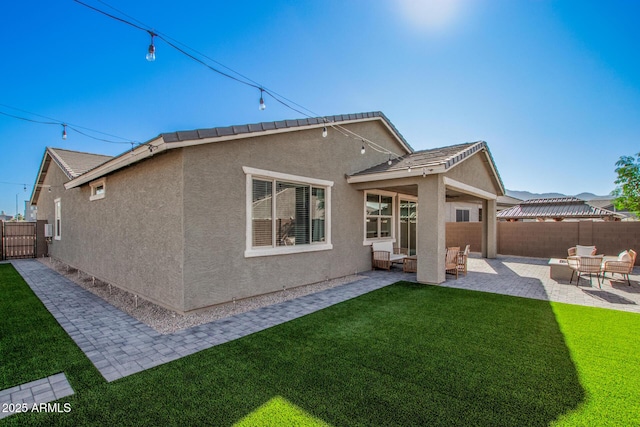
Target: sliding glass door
408,223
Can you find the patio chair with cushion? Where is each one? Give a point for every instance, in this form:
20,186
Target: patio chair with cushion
384,254
579,250
623,265
451,261
585,265
462,260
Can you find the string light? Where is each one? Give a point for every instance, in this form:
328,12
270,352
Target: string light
151,53
324,132
241,79
262,106
65,125
362,150
389,162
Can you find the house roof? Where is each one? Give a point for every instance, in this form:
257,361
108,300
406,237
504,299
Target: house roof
171,140
559,207
218,132
75,163
426,162
72,163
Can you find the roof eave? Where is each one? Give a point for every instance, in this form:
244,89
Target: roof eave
395,174
158,145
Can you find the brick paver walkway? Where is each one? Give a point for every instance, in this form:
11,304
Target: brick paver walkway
119,345
21,398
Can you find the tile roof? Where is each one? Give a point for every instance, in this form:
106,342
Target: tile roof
191,135
559,207
75,163
442,156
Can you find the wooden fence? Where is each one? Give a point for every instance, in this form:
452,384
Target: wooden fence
549,239
18,240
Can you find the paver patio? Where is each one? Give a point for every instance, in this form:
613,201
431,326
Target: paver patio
119,345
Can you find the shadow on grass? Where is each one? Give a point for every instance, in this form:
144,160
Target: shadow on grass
406,354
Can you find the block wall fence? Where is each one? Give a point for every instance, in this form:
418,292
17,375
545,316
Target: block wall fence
549,239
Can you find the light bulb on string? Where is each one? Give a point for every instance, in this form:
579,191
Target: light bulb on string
362,150
151,53
389,162
262,106
64,131
324,132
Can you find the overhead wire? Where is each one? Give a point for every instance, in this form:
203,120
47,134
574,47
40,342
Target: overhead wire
231,74
65,125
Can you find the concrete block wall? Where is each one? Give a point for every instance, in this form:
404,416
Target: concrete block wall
550,239
464,233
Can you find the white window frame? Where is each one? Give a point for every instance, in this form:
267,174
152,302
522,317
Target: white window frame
394,216
57,219
251,251
95,185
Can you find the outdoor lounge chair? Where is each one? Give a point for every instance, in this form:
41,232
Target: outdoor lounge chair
585,265
451,261
623,265
462,260
384,254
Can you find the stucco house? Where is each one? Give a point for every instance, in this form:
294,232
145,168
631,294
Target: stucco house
196,218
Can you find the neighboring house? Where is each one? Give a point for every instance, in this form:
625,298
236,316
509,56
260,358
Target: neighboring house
197,218
472,212
30,212
608,205
5,217
556,209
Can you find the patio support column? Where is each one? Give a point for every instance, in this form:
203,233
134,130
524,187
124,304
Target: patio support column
489,229
431,229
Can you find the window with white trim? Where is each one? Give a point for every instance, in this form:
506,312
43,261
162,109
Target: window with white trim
98,189
379,216
57,224
286,213
462,215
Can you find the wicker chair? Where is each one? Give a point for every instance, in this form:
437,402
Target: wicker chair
585,265
451,261
573,251
462,260
623,268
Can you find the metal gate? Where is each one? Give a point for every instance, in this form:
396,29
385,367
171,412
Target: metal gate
18,240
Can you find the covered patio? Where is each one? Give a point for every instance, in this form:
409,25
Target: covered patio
428,179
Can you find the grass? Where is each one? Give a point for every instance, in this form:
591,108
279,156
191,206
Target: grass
32,343
404,355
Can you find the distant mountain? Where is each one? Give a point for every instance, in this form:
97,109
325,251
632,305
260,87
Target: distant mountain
527,195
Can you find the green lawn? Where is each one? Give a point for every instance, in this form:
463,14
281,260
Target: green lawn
404,355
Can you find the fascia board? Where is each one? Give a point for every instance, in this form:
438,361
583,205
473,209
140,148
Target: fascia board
139,153
381,176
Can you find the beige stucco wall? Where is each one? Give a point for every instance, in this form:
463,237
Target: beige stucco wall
476,172
472,207
133,237
215,269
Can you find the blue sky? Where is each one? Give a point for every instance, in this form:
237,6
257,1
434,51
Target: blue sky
552,86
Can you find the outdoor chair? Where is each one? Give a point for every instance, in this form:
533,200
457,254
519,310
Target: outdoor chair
383,254
579,250
585,265
451,261
623,265
462,260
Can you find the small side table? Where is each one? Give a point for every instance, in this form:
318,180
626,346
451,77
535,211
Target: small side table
559,269
410,264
